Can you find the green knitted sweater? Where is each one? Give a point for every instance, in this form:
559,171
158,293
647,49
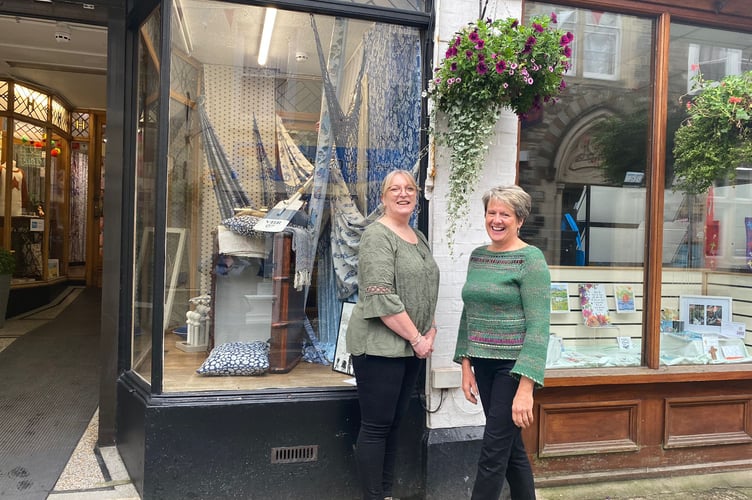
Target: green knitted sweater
507,310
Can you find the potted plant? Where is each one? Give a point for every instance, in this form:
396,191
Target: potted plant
716,137
7,266
490,65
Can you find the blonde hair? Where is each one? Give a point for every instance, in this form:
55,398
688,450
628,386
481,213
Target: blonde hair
514,196
387,182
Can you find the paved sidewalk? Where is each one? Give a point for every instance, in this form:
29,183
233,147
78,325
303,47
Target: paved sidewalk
719,486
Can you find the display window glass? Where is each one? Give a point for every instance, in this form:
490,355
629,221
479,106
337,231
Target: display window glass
274,164
146,193
585,161
588,189
26,186
706,316
33,182
57,206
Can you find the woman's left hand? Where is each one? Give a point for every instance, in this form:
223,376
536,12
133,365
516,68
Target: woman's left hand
522,405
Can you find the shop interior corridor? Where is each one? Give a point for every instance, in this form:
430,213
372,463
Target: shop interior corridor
48,405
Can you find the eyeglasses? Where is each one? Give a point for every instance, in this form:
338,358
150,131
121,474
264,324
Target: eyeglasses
399,189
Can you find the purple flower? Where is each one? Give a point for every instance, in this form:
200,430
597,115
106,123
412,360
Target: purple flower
515,23
537,27
569,36
480,44
564,40
481,56
501,66
553,17
473,37
453,67
458,41
481,68
451,52
568,51
531,41
469,54
562,85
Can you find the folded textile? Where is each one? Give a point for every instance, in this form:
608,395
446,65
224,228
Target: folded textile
232,243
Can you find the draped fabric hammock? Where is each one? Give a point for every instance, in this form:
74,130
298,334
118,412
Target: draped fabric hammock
227,188
338,161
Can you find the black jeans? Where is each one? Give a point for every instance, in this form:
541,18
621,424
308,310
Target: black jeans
503,452
384,389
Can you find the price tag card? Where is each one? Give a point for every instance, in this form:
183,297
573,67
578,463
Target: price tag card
625,343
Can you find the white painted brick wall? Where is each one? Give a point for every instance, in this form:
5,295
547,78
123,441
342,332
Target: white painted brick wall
499,169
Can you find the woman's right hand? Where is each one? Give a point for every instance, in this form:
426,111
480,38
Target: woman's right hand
424,347
469,386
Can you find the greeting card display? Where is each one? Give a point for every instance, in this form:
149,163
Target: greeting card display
594,305
625,298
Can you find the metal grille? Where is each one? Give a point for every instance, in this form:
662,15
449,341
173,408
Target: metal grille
295,454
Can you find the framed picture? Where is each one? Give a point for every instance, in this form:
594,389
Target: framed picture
624,298
342,362
53,268
559,298
704,313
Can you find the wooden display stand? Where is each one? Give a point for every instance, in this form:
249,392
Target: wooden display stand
288,311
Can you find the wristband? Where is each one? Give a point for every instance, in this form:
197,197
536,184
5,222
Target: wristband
419,338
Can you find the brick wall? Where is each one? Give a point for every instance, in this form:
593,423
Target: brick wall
499,170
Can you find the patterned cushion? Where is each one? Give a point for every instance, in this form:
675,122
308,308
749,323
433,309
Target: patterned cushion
243,225
237,358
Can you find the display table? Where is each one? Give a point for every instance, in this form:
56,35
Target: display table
676,349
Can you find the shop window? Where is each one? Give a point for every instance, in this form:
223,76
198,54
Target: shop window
706,284
584,161
273,169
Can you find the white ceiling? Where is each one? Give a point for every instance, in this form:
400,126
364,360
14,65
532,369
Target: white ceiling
219,33
75,70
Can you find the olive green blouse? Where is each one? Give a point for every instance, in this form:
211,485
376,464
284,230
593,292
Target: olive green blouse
393,276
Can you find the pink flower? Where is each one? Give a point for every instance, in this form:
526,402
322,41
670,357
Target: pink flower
695,67
735,100
553,17
537,27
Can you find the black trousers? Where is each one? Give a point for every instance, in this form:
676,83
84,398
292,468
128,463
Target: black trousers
384,389
503,453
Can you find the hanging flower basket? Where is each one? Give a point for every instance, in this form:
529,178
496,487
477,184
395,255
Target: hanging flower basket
491,65
716,137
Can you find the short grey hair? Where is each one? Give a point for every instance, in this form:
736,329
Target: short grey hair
514,196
